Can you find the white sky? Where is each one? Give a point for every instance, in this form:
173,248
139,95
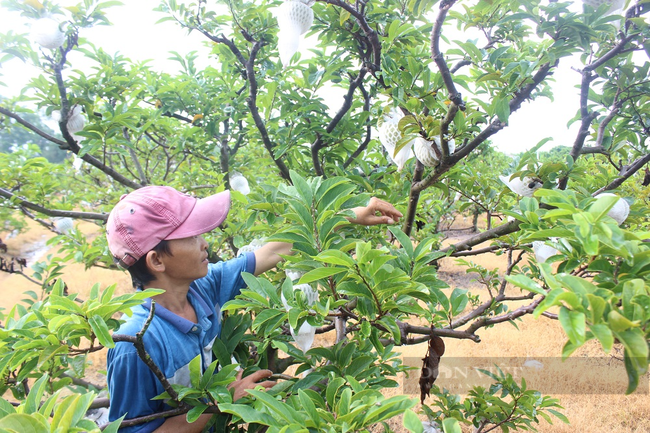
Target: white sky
135,35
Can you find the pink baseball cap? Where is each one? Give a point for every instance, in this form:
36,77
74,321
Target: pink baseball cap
146,216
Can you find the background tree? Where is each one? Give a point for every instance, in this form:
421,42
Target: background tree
306,163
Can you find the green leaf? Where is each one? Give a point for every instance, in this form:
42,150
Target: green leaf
23,423
195,370
458,300
279,408
559,416
320,273
114,426
526,283
248,414
101,331
6,408
636,347
604,335
502,108
404,240
451,425
412,422
573,323
344,16
33,401
302,187
335,257
195,412
309,407
618,322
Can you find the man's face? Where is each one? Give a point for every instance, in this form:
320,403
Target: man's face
188,260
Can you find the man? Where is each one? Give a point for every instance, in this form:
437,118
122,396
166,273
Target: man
155,233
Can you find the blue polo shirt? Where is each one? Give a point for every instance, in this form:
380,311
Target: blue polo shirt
172,342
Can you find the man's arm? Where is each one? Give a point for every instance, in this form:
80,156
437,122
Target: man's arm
376,212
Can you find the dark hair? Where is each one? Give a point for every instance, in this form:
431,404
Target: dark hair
140,273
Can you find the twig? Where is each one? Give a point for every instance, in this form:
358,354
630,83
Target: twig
138,343
521,311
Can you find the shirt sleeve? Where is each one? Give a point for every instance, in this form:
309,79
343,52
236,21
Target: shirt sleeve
132,385
224,279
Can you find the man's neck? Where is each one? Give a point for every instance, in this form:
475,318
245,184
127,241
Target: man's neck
174,299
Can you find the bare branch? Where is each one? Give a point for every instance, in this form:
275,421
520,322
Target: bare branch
16,200
467,244
593,150
347,104
366,141
636,166
252,106
436,55
407,328
62,144
521,311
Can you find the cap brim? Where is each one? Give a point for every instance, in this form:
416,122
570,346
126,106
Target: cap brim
208,213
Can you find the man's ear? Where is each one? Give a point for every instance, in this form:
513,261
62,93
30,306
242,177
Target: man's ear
154,262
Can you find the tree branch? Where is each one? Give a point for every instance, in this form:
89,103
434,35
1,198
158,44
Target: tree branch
252,106
521,311
62,144
436,55
407,328
593,149
636,166
370,34
347,104
467,244
138,342
51,212
414,198
366,141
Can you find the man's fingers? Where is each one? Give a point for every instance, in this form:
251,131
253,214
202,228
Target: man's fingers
261,374
267,384
385,208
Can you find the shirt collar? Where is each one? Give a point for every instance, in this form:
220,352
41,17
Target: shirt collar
182,324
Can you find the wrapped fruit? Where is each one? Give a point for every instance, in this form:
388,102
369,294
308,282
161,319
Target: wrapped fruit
389,135
239,183
543,251
294,19
425,153
47,33
620,210
255,245
304,338
524,187
76,121
63,224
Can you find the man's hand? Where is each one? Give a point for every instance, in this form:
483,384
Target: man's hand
242,385
377,212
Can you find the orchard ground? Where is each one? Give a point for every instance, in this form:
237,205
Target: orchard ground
588,407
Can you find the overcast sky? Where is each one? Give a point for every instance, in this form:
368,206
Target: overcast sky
135,35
